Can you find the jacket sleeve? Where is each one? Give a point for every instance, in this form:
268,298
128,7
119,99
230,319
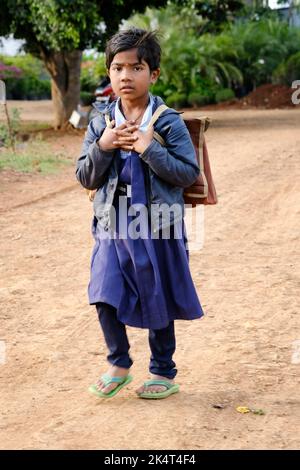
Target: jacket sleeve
93,162
176,163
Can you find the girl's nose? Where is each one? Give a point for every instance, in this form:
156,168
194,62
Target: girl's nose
125,76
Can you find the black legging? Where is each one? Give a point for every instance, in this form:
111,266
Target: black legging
162,343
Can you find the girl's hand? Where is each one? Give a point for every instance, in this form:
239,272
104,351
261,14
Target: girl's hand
110,137
141,140
144,140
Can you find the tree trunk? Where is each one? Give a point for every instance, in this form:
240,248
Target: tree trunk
64,68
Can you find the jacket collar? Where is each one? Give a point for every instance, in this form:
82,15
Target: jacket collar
110,108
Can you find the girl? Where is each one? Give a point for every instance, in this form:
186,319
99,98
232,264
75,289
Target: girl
138,278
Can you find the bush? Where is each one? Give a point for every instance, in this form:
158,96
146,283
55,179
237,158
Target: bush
86,98
25,78
176,100
224,95
92,71
260,47
203,92
187,52
28,88
161,89
197,98
88,78
288,71
241,56
9,71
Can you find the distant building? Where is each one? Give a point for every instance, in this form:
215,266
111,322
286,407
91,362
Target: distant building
291,14
289,10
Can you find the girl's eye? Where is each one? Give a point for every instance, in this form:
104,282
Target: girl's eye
138,68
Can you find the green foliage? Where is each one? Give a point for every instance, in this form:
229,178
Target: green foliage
261,46
55,25
88,79
189,61
28,64
215,13
288,71
199,65
9,71
224,95
57,31
203,93
198,98
32,82
207,45
86,98
92,71
28,88
15,122
176,100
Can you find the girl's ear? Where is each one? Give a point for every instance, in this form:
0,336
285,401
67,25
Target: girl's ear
154,75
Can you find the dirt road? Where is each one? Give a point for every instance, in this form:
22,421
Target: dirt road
244,352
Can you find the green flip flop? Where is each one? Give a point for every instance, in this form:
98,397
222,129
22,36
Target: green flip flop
170,388
107,379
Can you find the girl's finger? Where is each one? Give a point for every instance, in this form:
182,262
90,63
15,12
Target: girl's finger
132,128
125,133
127,147
130,138
128,129
122,126
123,146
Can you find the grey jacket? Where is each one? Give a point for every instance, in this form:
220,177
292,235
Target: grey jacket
168,169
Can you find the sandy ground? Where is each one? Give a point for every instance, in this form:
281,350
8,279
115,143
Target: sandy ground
41,110
242,353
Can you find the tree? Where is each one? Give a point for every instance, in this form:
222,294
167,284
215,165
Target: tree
215,13
58,31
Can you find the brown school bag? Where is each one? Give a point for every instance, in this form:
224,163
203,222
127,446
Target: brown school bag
202,191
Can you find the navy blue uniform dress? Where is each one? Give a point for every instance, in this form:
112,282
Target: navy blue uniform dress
146,279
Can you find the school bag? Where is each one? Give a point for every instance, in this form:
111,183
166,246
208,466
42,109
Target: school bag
203,190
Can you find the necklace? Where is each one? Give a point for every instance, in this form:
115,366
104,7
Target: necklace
138,117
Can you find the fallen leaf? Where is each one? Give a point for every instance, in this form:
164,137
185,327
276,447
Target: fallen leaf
243,409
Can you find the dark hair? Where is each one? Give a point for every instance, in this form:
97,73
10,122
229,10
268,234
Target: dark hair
146,42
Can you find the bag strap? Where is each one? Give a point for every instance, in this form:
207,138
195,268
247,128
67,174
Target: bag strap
205,122
201,154
156,114
153,119
108,121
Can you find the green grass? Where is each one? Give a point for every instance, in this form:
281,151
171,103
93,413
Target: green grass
33,156
32,126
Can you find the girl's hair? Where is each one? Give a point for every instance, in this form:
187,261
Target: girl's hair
146,42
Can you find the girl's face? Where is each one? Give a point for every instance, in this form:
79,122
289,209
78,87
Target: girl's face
129,78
